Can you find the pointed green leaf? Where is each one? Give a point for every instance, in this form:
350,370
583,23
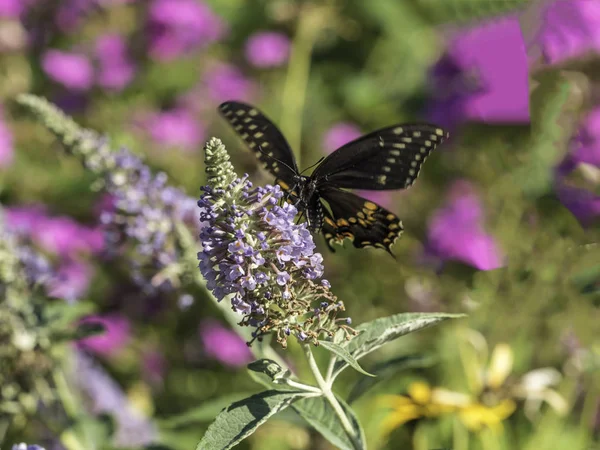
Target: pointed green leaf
342,353
319,414
240,419
385,329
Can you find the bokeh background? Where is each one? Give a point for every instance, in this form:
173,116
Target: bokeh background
501,224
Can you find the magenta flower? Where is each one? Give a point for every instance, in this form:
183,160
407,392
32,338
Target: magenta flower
339,134
116,336
177,27
60,235
494,53
570,28
227,82
71,12
456,231
267,49
585,149
11,9
72,70
71,281
115,67
65,237
176,128
6,142
223,344
23,220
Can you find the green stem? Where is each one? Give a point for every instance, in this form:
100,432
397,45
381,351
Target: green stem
329,374
330,397
310,23
303,387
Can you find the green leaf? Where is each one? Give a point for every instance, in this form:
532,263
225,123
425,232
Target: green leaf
204,413
386,370
385,329
319,413
342,353
240,419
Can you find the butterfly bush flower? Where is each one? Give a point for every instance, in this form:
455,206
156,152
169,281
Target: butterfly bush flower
145,209
6,143
11,9
267,49
73,70
483,76
570,29
224,345
456,231
254,255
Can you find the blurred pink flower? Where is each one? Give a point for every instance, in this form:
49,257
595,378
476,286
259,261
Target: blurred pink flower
267,49
116,336
494,53
11,9
176,27
570,28
339,134
72,70
6,142
176,128
456,231
227,82
71,281
23,220
70,13
65,237
60,235
116,69
223,344
585,149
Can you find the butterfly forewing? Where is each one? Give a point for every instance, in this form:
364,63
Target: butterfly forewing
390,158
263,138
362,221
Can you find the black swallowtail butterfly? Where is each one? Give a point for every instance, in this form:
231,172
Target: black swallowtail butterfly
385,159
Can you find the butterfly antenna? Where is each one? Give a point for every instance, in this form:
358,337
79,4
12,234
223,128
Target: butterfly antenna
276,160
310,167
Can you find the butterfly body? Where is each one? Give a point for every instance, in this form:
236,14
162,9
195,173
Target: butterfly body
389,158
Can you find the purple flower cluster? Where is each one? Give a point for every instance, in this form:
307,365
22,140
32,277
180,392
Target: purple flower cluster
224,345
254,254
267,49
145,210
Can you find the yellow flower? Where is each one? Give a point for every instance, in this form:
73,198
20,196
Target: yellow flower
477,416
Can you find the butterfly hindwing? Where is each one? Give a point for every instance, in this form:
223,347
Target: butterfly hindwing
263,138
390,158
362,221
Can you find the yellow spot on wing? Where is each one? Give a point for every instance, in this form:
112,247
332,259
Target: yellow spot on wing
343,223
398,130
258,135
390,217
370,205
253,112
283,184
439,132
330,222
